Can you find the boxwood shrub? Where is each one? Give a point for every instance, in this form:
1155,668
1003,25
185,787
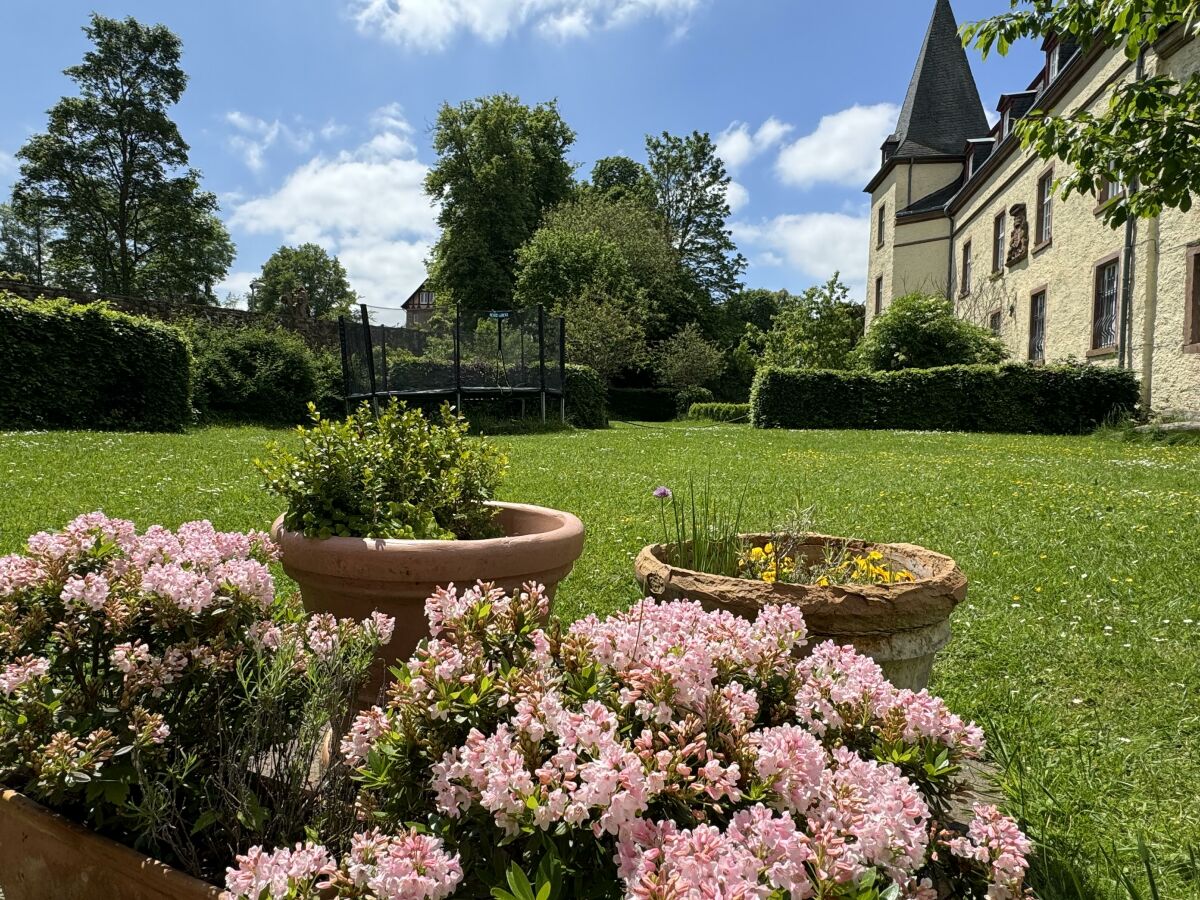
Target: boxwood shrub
1018,398
68,365
720,412
642,404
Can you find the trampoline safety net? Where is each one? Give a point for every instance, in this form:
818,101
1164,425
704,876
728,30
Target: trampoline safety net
490,354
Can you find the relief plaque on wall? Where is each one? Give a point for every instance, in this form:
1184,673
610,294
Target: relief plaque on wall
1018,239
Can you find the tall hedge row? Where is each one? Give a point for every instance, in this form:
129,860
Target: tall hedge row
66,365
1016,398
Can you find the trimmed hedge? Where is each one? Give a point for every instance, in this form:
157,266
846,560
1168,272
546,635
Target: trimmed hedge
1017,398
688,397
587,402
259,375
642,404
68,365
720,412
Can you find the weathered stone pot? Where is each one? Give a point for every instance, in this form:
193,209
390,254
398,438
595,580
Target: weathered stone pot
43,856
351,577
900,626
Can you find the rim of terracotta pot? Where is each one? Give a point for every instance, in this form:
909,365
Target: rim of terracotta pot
939,586
535,537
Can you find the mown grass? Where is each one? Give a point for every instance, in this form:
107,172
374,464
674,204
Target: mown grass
1078,646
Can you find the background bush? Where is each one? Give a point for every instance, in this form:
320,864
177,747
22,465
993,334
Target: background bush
921,331
1016,398
260,375
689,396
587,398
67,365
720,412
641,404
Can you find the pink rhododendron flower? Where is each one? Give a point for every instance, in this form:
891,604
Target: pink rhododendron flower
304,870
995,840
367,728
90,591
17,674
408,866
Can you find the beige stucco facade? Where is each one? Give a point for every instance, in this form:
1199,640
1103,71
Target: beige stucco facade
924,251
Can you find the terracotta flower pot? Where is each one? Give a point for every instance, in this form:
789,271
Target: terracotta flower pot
43,855
900,626
351,577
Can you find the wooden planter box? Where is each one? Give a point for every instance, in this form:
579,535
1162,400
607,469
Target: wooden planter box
900,626
43,856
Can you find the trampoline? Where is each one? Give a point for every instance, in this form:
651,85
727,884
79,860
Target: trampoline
488,355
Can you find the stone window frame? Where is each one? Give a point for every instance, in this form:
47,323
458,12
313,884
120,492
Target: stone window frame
1191,298
1040,223
1044,291
967,271
1097,267
999,242
996,315
878,294
879,226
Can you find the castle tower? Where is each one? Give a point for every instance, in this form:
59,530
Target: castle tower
922,167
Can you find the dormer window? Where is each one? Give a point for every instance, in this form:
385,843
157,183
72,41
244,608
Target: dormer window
1006,125
1060,55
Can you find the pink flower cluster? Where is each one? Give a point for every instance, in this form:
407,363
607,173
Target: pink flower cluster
643,730
843,690
407,866
19,673
280,875
995,841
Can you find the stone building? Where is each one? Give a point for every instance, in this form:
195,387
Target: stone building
958,207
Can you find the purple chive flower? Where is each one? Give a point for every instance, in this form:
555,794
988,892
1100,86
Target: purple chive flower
662,493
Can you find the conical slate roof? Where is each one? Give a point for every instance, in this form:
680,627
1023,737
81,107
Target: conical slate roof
942,110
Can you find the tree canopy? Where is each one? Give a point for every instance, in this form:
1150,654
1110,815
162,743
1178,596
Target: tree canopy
614,248
501,166
817,329
309,268
691,189
1147,139
121,209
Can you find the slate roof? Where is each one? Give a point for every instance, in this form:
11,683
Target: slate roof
931,202
942,110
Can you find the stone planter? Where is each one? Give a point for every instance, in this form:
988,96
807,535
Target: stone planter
43,855
900,626
351,577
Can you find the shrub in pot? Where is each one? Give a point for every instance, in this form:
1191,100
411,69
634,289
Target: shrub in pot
665,752
154,689
382,509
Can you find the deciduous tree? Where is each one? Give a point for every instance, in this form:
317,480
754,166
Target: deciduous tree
124,211
501,166
309,268
691,188
817,329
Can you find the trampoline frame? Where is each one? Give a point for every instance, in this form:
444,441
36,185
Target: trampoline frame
459,391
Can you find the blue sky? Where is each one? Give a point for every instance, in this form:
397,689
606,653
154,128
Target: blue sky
310,118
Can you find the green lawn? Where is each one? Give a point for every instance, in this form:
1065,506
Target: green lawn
1077,646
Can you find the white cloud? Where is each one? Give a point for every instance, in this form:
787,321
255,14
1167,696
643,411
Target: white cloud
844,148
236,283
431,24
737,196
253,137
366,205
737,145
814,244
